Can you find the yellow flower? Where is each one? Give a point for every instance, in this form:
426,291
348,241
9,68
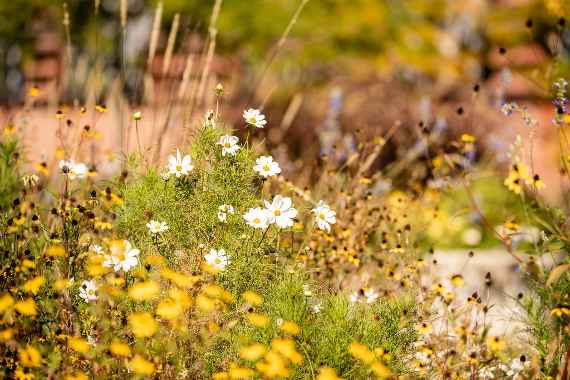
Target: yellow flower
6,335
467,138
78,344
169,309
424,328
286,347
141,366
26,307
457,280
6,301
143,324
537,182
30,357
273,366
327,373
380,370
252,352
21,375
205,304
181,280
496,343
258,320
77,376
119,349
290,327
55,251
144,291
558,311
252,298
237,372
33,286
361,352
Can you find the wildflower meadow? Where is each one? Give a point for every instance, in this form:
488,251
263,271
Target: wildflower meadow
296,189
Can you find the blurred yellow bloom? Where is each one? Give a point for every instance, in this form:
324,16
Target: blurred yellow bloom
141,366
169,309
143,324
30,357
252,352
77,376
237,372
144,291
424,328
180,297
327,373
55,251
182,280
467,138
252,298
256,319
215,291
273,365
205,304
6,301
26,307
290,327
495,343
119,349
286,347
361,352
6,335
78,344
21,375
457,280
34,285
380,370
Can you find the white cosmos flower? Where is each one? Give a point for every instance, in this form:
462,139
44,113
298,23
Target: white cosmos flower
254,118
229,145
257,218
156,227
179,165
217,259
73,170
123,256
88,291
223,212
325,216
354,297
371,295
281,212
97,249
266,167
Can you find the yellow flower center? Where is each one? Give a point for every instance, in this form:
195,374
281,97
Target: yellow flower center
178,168
266,168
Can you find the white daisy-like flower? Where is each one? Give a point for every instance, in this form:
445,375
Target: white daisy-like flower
97,249
257,218
179,165
217,259
281,212
354,297
73,170
266,167
88,291
156,227
254,118
229,145
325,216
370,295
223,212
123,256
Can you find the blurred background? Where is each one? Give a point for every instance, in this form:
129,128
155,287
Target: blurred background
328,74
